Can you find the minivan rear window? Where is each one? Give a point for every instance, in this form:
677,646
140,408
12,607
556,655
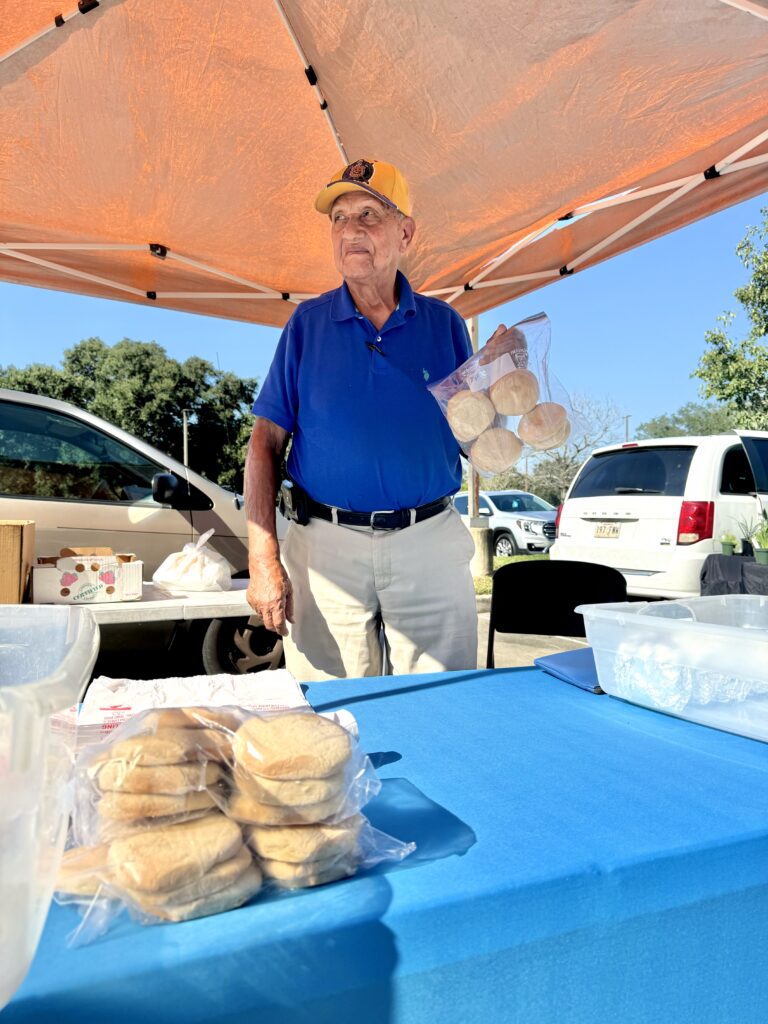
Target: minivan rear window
757,452
635,471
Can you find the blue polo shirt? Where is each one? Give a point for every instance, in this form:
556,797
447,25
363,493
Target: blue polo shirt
367,434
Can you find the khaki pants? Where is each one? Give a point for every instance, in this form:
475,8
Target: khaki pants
349,583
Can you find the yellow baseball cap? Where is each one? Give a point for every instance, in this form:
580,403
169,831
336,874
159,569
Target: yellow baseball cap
382,180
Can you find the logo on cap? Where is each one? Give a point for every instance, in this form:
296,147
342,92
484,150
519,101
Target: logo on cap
360,170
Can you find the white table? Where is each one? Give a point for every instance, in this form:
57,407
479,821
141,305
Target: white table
157,606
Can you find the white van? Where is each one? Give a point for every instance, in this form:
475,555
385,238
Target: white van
655,509
84,481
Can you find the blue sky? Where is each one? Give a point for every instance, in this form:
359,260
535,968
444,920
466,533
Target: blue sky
629,331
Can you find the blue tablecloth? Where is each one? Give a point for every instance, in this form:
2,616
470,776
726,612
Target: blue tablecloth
580,860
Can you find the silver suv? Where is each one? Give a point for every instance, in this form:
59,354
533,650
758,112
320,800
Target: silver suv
521,522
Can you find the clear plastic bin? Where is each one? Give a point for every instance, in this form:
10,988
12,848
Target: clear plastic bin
704,659
46,657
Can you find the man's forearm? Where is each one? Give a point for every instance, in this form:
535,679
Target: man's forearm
269,590
261,483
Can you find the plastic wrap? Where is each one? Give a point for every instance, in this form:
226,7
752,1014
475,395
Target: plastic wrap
500,409
185,812
197,567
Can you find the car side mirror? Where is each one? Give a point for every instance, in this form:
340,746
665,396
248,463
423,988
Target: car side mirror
168,489
484,511
164,488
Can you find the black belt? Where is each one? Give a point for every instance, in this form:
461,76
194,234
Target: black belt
396,519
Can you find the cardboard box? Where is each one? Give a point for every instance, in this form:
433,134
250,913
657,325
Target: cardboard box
85,576
17,545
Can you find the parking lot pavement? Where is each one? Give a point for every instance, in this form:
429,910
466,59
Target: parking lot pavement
511,650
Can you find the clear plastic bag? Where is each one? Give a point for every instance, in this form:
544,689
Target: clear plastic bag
185,812
196,567
504,408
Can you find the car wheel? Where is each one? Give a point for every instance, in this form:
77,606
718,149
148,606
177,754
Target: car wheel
241,645
504,546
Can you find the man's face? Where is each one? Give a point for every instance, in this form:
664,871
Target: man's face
368,237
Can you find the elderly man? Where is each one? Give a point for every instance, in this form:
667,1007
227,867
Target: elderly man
377,558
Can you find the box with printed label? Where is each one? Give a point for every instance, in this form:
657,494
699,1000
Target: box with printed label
86,575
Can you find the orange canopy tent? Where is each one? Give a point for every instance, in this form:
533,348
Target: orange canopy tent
168,153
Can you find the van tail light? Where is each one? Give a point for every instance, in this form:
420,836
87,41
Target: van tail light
696,521
557,520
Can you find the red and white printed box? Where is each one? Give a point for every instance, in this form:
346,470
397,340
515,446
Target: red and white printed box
85,576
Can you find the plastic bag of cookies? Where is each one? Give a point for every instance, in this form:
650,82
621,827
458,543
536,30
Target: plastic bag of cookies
185,812
502,408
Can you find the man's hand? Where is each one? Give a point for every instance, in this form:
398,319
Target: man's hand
269,591
271,595
506,340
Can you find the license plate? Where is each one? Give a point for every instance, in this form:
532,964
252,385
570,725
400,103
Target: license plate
607,529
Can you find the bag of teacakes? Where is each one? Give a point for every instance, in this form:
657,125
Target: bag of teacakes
184,812
502,408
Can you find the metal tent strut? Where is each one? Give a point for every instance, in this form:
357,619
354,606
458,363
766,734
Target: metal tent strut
748,7
21,250
311,74
59,21
679,188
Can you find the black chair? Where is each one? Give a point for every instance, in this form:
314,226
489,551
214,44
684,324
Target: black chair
540,596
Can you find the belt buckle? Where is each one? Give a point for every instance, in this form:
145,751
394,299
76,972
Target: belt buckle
380,512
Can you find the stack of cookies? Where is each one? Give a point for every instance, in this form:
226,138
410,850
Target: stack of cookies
159,775
291,787
166,848
299,856
167,809
190,869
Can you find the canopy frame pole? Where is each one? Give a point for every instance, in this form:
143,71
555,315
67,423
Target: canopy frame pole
198,265
538,275
699,179
729,165
59,21
311,74
14,250
745,165
73,246
689,186
231,295
731,159
748,7
667,186
14,254
502,258
628,197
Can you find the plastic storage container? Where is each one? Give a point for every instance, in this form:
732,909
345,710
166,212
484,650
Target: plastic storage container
704,659
46,657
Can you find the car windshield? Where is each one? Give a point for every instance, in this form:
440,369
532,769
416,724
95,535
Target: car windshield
635,471
520,503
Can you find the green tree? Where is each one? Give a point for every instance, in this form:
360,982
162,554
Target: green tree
695,418
137,386
736,372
